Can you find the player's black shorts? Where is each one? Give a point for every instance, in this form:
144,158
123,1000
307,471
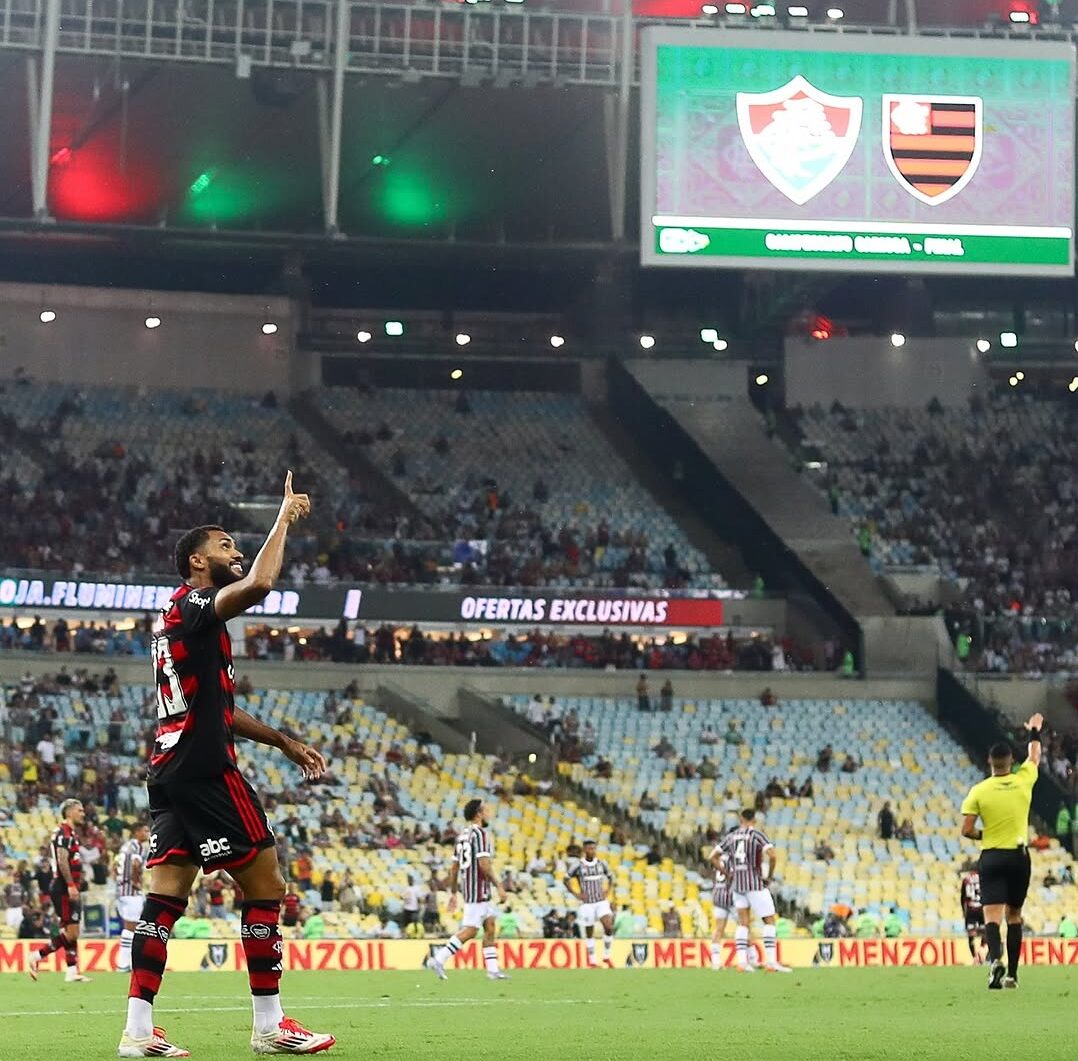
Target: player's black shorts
217,822
974,919
1004,876
68,910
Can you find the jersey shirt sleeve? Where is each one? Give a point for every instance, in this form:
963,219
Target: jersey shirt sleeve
197,611
971,804
1027,773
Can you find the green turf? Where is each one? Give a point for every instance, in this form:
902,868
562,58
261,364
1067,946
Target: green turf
850,1014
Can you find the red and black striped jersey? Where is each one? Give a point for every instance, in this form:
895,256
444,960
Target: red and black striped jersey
472,845
64,838
193,672
970,892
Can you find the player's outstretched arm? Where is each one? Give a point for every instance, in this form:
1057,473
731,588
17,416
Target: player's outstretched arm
235,599
1034,726
304,756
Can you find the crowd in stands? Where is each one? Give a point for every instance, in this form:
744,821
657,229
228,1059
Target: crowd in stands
107,478
412,646
69,734
987,495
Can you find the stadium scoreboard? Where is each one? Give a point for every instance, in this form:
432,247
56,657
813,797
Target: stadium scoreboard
786,150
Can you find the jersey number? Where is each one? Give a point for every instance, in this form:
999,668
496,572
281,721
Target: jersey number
464,854
739,853
175,703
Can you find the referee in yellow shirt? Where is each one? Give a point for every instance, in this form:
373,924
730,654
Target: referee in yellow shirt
1002,803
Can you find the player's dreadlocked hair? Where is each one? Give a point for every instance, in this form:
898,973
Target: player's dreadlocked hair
190,543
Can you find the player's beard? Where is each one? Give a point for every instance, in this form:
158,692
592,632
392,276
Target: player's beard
222,575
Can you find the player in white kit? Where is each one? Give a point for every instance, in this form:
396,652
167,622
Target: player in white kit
595,884
472,869
130,862
748,859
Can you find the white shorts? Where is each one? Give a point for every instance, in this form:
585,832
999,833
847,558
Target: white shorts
476,913
129,907
759,902
13,916
590,913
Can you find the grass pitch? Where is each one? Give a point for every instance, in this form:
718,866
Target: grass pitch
860,1015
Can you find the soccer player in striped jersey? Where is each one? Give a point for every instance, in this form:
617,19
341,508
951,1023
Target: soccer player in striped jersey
722,902
129,865
65,890
473,871
748,859
595,885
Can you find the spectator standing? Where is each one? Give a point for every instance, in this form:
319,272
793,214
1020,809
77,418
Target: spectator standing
885,822
411,898
666,696
643,698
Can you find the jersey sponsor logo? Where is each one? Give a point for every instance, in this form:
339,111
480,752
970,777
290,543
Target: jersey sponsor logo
199,600
210,848
151,928
799,137
257,931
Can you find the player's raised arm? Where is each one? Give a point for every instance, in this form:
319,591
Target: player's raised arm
1034,726
236,598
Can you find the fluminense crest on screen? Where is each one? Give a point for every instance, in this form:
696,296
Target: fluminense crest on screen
932,144
799,137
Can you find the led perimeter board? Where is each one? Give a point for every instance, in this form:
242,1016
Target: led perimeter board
778,150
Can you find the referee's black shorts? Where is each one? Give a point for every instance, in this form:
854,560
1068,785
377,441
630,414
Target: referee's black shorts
217,822
1004,876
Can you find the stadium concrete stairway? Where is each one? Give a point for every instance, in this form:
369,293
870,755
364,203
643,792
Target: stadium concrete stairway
906,758
724,426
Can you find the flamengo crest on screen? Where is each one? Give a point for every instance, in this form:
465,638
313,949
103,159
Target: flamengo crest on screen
801,139
932,144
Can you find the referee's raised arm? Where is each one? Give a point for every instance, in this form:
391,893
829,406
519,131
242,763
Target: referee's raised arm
1001,801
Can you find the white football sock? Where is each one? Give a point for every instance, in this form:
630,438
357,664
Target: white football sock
741,938
139,1018
126,938
267,1012
490,959
769,943
589,946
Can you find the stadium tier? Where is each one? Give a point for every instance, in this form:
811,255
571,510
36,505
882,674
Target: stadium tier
902,756
424,791
984,495
528,474
493,511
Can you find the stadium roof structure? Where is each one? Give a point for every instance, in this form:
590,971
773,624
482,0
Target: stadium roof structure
486,124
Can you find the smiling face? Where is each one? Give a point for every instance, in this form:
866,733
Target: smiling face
217,561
